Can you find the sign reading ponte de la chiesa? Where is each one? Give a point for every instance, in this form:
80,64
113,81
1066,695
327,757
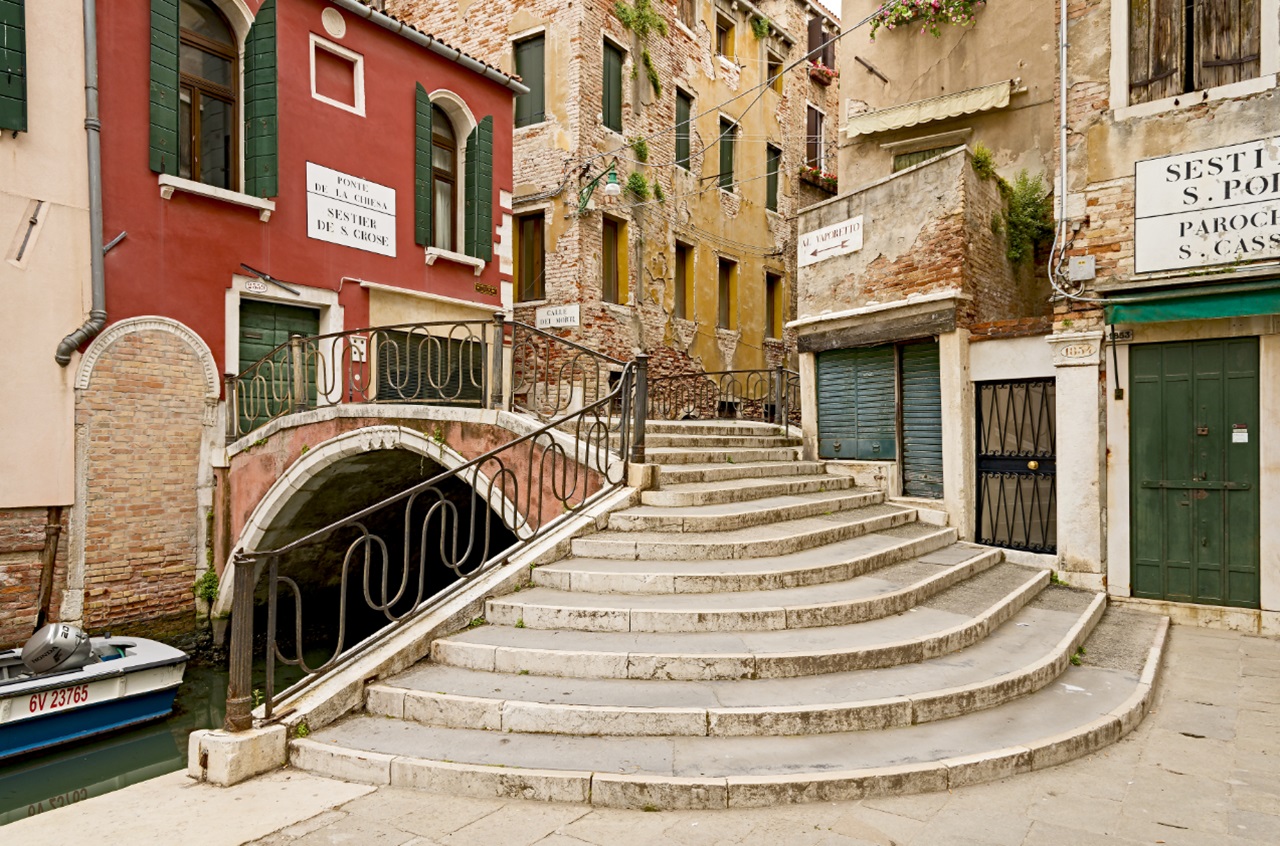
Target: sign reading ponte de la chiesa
1212,207
351,211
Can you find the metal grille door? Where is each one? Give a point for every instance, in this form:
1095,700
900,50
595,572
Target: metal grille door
1017,488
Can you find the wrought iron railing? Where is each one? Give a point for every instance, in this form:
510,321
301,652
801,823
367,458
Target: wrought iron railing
439,362
528,485
772,396
551,375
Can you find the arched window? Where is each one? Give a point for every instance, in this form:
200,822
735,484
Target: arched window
444,169
207,93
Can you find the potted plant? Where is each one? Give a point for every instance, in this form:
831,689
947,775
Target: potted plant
822,74
818,178
931,13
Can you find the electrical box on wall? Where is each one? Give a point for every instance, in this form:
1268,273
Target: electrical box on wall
1081,268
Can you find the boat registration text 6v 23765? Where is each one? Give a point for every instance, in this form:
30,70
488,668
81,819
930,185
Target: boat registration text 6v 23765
51,700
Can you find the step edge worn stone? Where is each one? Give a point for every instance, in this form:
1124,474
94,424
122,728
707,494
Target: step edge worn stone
491,782
341,762
746,519
968,633
640,791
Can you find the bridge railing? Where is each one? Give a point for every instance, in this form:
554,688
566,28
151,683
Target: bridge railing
437,362
767,395
396,551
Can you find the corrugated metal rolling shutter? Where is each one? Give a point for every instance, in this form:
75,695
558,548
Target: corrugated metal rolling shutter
921,421
421,368
856,408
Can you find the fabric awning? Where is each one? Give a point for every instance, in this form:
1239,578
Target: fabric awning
1197,303
993,96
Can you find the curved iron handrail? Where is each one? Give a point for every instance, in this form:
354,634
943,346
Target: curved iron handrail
768,395
550,375
529,484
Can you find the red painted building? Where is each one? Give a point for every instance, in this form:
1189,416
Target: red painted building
269,168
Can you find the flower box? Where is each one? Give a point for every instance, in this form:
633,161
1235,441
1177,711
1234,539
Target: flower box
822,74
933,14
824,181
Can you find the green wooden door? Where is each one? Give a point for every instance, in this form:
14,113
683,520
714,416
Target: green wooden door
1194,505
264,328
857,404
921,421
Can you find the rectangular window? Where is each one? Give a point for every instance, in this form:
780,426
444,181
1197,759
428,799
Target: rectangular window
530,108
773,71
530,257
773,161
726,293
689,13
724,36
813,138
1176,46
727,130
613,287
684,264
337,75
611,96
773,311
13,63
902,161
684,108
821,47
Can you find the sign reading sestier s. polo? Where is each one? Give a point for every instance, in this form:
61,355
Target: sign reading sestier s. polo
834,240
347,210
1212,207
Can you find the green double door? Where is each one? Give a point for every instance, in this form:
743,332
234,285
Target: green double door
1194,504
264,327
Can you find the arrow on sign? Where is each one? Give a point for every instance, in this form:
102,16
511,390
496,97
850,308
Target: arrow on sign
839,246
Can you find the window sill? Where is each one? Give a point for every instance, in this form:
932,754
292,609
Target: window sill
169,184
686,30
530,303
727,62
435,253
622,308
530,126
1242,88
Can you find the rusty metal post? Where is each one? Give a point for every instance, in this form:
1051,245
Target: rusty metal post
298,373
229,388
641,408
499,340
780,395
240,678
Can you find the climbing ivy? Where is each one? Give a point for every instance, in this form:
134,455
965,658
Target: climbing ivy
641,19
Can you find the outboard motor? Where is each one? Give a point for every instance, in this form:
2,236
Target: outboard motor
57,647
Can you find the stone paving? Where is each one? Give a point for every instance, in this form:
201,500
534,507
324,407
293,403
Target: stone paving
1202,770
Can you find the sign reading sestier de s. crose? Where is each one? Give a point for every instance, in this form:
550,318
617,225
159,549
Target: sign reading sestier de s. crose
347,210
1216,206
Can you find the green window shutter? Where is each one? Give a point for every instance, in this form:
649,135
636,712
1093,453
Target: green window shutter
726,155
422,167
531,107
479,190
13,66
164,86
261,114
772,162
611,106
684,105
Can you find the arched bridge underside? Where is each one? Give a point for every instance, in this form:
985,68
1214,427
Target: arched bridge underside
306,471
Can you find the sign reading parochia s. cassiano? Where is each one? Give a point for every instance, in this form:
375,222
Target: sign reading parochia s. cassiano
347,210
1212,207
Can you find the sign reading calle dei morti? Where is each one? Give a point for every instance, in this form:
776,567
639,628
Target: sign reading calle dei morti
347,210
1208,208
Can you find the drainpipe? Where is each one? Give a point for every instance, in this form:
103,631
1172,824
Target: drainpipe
93,128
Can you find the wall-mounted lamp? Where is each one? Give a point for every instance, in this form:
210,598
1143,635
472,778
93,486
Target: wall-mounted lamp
612,187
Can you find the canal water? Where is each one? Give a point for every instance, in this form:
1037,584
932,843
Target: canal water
35,784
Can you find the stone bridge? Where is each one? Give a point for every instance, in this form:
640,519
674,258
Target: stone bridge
304,471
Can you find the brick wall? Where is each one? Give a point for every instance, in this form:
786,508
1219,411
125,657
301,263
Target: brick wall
141,422
22,540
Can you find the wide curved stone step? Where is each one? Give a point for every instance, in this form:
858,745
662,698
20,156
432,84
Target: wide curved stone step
833,562
680,455
890,590
1020,657
1086,708
685,440
953,619
753,542
712,427
679,474
743,490
720,517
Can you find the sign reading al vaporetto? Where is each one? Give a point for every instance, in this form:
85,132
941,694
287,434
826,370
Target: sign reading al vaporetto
1216,206
351,211
838,239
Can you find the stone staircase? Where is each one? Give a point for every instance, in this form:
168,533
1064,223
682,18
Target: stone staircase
755,631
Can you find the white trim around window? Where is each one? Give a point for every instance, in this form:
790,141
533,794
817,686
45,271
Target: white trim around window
319,43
